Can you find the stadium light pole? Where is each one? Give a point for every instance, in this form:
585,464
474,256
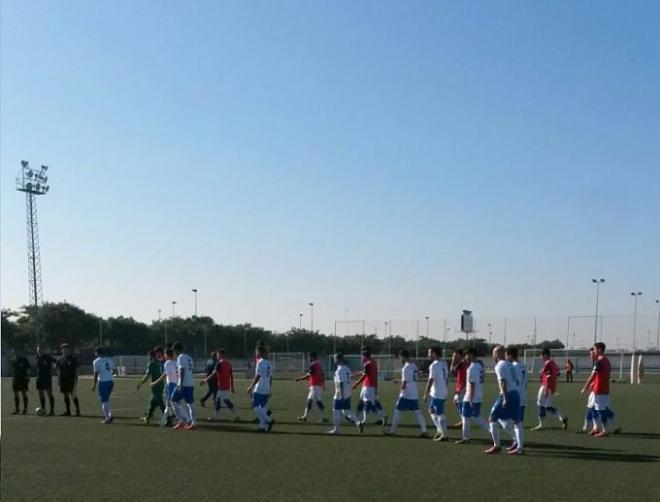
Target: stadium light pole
597,282
505,326
311,316
635,295
195,295
173,304
427,326
490,333
657,329
417,340
389,347
300,316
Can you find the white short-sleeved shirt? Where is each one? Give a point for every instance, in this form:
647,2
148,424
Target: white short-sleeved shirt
505,372
522,376
438,372
475,376
265,373
342,382
104,366
185,362
171,373
409,375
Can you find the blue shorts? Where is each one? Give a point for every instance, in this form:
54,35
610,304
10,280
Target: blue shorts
259,400
342,404
185,393
403,404
509,412
104,390
171,388
470,410
437,406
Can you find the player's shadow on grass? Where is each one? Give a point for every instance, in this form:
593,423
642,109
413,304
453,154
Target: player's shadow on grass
607,456
639,435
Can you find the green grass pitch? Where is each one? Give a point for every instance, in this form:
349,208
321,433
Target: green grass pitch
57,458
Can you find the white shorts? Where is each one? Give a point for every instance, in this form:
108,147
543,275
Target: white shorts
222,394
544,401
458,397
601,402
590,400
314,393
368,394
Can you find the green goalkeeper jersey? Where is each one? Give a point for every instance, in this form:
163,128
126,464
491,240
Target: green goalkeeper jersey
155,370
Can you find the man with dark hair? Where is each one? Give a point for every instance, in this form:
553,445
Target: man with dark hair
545,400
20,381
260,389
104,370
599,384
154,371
185,390
67,369
408,396
211,383
224,377
436,388
369,380
316,381
474,396
45,364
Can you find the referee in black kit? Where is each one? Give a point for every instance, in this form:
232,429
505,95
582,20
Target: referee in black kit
67,367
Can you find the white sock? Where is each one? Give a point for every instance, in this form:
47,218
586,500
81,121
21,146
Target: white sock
191,411
260,416
349,415
598,422
495,433
466,427
518,430
443,424
421,421
507,425
396,418
163,419
106,410
181,412
362,416
336,418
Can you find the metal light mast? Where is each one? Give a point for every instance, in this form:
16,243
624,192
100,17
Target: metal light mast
33,182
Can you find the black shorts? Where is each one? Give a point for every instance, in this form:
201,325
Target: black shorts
67,385
44,383
19,385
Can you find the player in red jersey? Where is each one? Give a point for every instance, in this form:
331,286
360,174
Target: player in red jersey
223,373
316,381
369,380
599,385
458,368
545,400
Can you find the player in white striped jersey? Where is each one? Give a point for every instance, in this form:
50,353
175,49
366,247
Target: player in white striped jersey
436,388
260,389
522,377
474,396
342,401
408,396
104,369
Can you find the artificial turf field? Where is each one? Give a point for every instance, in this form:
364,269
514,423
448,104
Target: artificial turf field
60,458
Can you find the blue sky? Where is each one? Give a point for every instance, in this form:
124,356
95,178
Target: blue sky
395,159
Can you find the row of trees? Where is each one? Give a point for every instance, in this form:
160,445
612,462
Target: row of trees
55,323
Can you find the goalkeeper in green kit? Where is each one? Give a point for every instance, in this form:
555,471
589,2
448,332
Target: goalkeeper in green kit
154,370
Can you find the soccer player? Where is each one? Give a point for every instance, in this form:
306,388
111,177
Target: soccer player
316,380
45,364
549,374
507,404
185,388
171,376
436,388
342,399
20,381
599,383
104,369
210,382
408,396
458,367
517,431
568,367
224,375
67,369
589,414
369,380
474,396
154,371
260,389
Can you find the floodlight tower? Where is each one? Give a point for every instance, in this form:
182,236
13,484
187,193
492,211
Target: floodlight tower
33,182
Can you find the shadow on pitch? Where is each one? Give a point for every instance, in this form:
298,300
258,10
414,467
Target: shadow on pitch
607,456
639,435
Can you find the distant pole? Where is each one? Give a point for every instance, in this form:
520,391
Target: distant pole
573,341
300,316
534,333
636,295
657,329
490,333
597,282
427,326
389,346
363,333
100,332
334,340
195,294
568,329
311,316
417,340
505,326
159,313
173,304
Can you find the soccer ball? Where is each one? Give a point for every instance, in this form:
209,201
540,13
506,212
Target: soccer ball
40,412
